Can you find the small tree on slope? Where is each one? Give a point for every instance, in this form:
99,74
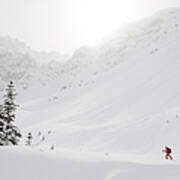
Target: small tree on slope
29,139
9,133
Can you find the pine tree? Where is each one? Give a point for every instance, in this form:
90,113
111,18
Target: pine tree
29,139
2,125
9,133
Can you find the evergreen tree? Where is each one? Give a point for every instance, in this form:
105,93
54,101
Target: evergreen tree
29,139
2,125
9,133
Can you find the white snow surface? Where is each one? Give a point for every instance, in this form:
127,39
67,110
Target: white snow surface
108,110
24,163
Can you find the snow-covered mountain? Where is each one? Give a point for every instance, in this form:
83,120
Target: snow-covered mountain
20,63
104,113
113,97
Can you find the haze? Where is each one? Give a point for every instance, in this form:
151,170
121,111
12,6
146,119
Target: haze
65,25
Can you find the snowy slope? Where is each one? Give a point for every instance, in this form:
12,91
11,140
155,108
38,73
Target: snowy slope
115,97
31,165
20,63
108,110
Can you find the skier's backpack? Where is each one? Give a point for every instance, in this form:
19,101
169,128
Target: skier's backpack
168,150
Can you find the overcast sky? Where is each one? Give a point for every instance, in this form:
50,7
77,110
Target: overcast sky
65,25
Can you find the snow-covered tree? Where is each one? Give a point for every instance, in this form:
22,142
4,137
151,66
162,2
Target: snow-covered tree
9,133
2,125
29,139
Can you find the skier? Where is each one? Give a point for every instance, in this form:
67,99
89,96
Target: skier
168,151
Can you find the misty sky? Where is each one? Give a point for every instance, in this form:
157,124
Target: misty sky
65,25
